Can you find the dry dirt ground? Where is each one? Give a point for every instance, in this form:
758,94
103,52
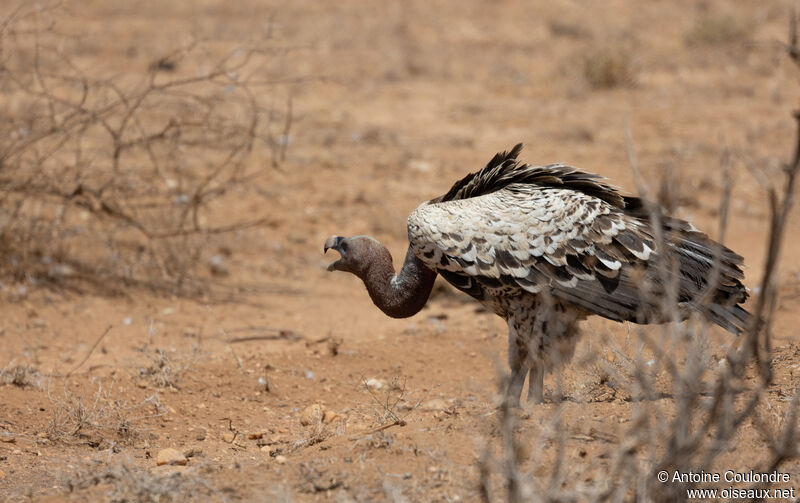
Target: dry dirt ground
397,101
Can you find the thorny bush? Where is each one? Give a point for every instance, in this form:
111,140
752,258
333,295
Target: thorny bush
129,180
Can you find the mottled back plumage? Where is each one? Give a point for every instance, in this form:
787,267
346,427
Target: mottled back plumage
513,229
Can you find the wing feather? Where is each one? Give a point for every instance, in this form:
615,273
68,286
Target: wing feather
530,238
533,239
512,228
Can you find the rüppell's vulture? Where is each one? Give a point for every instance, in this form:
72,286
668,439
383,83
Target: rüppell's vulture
544,247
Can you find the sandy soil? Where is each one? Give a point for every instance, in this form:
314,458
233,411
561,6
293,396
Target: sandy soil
404,98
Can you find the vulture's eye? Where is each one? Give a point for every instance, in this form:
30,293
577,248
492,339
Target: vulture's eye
343,246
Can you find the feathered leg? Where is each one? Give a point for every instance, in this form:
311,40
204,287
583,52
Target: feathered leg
514,391
536,384
516,361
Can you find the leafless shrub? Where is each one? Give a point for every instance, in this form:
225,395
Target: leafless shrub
711,397
98,418
129,180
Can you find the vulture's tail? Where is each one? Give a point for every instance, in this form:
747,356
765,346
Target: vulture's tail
734,319
701,260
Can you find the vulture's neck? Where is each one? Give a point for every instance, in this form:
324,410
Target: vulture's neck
398,295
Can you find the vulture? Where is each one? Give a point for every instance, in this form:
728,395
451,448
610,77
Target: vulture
544,247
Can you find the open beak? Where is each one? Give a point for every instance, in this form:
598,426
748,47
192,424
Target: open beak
333,242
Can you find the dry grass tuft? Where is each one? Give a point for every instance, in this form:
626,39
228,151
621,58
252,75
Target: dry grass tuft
97,418
715,30
22,376
607,68
129,484
167,367
565,29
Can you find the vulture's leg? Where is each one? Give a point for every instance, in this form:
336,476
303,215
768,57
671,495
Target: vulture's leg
517,354
536,384
514,391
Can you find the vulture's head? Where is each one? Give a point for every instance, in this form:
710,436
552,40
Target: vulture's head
357,253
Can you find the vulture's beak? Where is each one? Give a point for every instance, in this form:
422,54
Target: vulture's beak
333,242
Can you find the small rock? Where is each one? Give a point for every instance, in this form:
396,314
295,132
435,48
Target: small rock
312,414
255,435
2,474
7,439
281,460
170,456
329,416
228,437
266,449
373,383
419,165
217,266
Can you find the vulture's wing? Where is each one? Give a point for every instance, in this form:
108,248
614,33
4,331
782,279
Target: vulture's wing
574,245
531,238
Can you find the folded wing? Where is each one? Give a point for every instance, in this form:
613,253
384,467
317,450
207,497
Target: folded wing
601,257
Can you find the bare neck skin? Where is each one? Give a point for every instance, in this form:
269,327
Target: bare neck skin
398,295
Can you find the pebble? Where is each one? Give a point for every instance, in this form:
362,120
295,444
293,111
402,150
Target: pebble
436,404
373,383
2,474
255,435
329,416
228,436
281,460
170,456
420,165
312,414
